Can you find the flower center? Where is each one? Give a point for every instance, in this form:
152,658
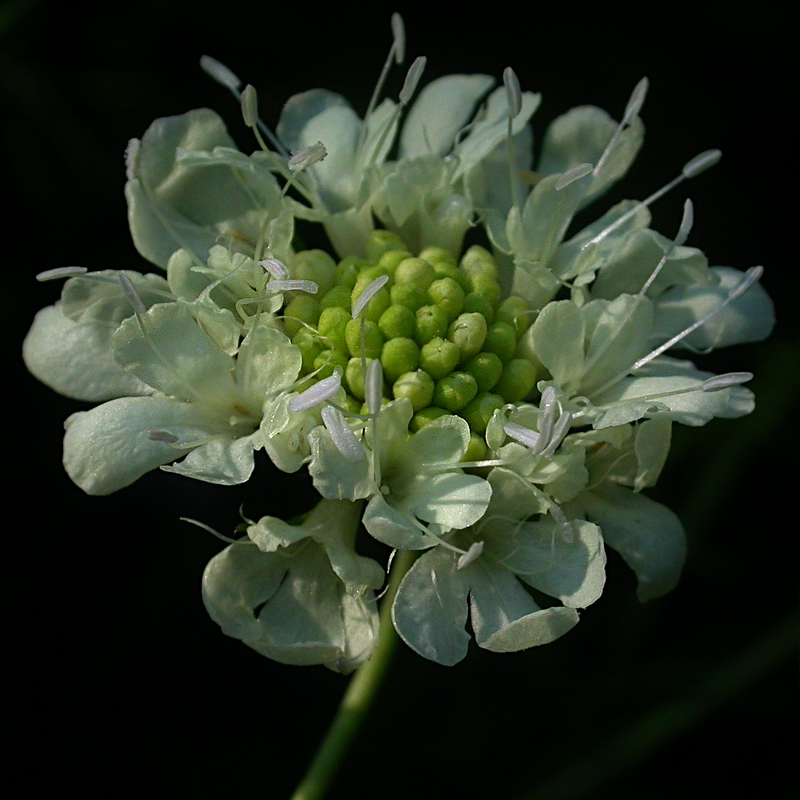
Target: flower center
445,336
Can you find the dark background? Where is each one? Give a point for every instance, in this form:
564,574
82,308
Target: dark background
119,682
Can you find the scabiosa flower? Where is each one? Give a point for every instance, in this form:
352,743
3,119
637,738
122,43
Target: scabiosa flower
469,381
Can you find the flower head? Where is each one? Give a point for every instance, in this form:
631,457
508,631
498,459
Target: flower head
464,373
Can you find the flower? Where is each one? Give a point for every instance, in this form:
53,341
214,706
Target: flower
464,376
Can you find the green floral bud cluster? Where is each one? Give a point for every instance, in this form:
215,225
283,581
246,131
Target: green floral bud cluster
446,338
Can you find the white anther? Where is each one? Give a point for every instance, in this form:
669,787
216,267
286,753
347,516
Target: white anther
249,101
345,441
474,551
571,175
220,73
522,435
701,163
61,272
687,220
275,267
373,386
513,92
636,101
399,36
318,393
557,434
293,286
719,382
369,292
307,157
412,79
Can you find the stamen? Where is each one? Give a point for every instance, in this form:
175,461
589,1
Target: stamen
369,292
691,169
293,285
412,79
633,107
307,157
373,386
572,175
275,267
61,272
557,434
249,103
474,551
719,382
345,441
220,73
210,530
522,435
318,393
513,92
399,35
131,294
701,163
750,277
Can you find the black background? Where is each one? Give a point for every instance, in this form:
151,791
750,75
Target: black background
118,680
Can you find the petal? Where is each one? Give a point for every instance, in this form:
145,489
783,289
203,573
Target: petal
646,534
504,616
749,318
452,500
175,356
74,358
439,113
109,447
430,609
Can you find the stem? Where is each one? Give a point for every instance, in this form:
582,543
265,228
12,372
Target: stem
358,697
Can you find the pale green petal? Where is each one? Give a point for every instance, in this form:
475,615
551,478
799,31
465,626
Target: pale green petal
224,460
513,497
393,527
175,356
567,563
291,609
558,341
749,318
646,534
285,433
440,112
535,234
267,363
441,443
626,269
504,616
581,256
653,438
334,476
452,500
298,112
430,609
109,447
617,333
100,297
491,128
171,206
74,358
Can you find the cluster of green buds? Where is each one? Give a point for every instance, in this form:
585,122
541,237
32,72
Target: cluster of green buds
445,337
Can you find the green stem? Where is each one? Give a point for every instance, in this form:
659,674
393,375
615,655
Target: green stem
358,697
